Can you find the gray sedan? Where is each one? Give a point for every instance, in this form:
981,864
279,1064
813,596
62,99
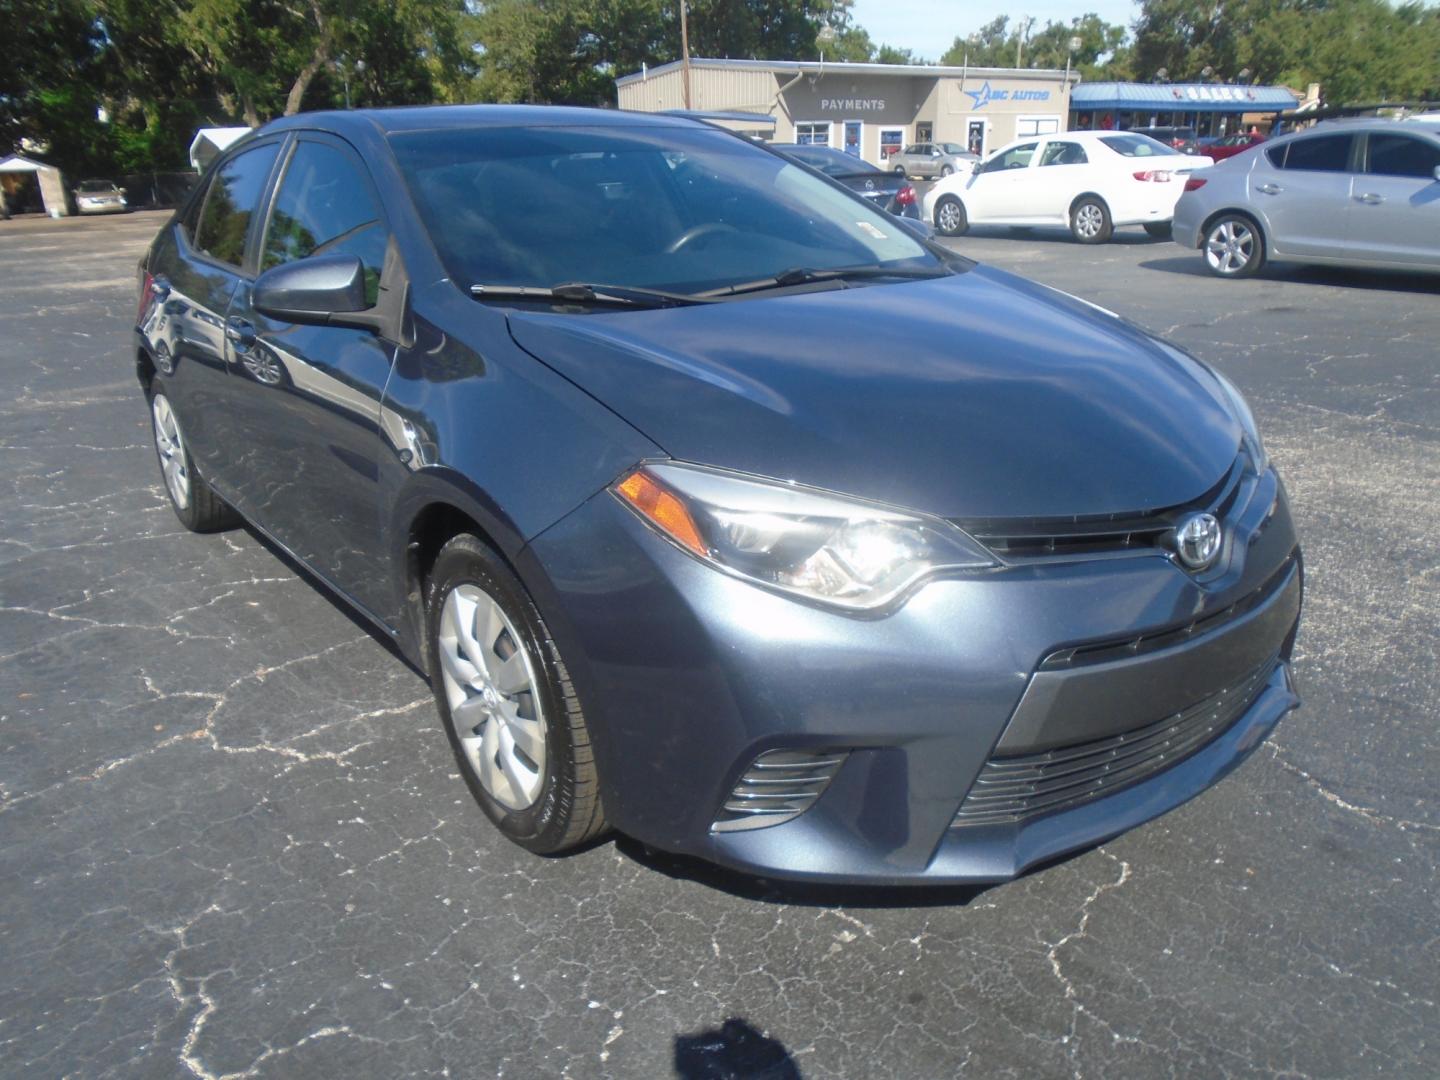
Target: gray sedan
1363,193
933,159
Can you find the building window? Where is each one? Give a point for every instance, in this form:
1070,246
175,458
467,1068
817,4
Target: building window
1028,126
813,134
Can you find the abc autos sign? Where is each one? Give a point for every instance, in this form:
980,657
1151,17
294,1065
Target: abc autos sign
986,94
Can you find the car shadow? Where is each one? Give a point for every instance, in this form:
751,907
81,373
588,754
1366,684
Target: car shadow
1341,277
734,1049
815,894
1053,234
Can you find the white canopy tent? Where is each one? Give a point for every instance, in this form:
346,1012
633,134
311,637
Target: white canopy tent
52,183
210,143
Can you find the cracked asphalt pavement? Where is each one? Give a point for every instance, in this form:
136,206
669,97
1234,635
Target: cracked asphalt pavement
233,843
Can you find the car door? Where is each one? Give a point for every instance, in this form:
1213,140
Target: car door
196,274
1064,171
1000,189
1303,189
309,396
1395,212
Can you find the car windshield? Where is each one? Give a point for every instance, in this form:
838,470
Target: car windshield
1136,146
681,209
830,162
96,185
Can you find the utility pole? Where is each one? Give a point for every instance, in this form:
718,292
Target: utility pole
684,54
1021,27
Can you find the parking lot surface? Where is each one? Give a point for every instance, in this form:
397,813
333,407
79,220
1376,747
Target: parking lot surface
232,840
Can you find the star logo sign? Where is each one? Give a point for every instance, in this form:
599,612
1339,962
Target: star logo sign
981,97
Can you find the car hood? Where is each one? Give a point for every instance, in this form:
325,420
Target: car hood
977,395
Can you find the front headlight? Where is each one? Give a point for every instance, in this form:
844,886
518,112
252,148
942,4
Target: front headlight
824,547
1241,411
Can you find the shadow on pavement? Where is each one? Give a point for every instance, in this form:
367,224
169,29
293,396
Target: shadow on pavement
1340,277
734,1051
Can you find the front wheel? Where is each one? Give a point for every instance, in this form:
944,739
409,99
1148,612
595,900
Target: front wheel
1090,221
195,504
950,217
1160,230
1233,247
507,704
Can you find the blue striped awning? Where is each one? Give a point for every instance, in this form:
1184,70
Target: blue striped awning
1181,97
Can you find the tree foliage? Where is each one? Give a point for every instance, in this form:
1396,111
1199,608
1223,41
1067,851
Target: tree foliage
1358,50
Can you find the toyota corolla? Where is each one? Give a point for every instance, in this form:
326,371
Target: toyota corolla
720,507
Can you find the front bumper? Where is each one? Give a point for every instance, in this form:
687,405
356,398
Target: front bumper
687,675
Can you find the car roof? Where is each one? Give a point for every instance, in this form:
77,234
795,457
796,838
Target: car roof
457,117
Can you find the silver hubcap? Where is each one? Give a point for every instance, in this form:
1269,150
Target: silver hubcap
490,687
171,446
949,216
1229,247
1088,220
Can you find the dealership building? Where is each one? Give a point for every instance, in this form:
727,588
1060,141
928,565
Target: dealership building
870,110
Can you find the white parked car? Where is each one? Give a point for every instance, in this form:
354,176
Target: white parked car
1092,181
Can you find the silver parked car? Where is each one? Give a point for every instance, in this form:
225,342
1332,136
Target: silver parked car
1363,193
100,197
933,159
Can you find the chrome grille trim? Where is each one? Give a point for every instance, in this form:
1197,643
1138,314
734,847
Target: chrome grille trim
1020,788
779,785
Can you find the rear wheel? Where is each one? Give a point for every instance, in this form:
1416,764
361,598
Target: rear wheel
1160,230
950,217
507,704
198,508
1233,247
1090,221
899,170
947,170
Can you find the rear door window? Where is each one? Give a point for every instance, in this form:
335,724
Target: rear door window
1063,153
1322,153
231,204
1401,155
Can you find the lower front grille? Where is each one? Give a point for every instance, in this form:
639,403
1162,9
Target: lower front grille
778,786
1021,787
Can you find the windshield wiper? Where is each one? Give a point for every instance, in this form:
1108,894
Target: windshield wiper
804,275
575,292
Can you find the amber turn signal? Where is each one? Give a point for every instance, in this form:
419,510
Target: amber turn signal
661,508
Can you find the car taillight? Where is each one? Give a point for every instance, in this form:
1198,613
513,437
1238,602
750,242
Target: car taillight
1195,183
905,196
1158,176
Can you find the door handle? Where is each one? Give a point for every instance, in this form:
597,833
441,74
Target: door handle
1370,198
1269,189
239,332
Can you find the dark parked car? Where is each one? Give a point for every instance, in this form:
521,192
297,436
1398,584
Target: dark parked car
718,509
889,191
1177,138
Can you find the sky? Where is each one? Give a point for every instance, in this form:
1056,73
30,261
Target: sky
929,27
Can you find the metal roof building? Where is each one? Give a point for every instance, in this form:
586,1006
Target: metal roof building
1203,106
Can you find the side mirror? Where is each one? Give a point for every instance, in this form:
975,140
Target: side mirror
1437,172
921,229
314,290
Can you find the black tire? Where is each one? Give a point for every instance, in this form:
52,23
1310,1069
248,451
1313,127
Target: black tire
1090,220
1160,230
1248,241
899,170
946,170
195,504
950,217
567,810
